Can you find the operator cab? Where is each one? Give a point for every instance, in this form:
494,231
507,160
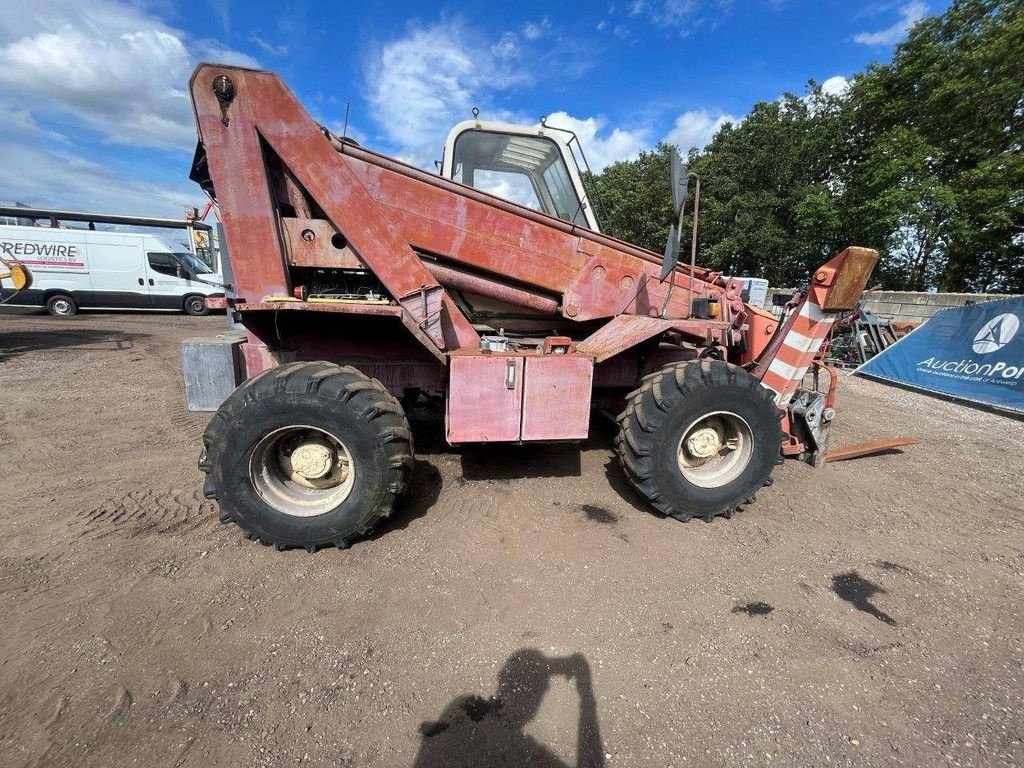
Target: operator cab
532,166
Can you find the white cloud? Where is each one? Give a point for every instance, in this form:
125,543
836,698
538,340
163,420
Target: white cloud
421,84
507,46
602,147
910,14
681,15
273,50
695,128
61,179
107,65
536,30
837,85
19,122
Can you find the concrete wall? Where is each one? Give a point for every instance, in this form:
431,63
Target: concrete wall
906,305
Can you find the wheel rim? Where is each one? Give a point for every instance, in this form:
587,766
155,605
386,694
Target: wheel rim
302,471
195,305
715,449
62,306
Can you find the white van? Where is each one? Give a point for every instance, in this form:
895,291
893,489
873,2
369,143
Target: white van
86,268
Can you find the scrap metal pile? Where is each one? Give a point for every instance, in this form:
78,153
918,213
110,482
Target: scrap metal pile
860,335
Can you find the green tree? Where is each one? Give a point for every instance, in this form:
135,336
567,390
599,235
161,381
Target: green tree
922,158
635,199
768,206
953,97
901,206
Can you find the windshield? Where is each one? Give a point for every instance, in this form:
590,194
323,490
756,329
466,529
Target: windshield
528,170
194,263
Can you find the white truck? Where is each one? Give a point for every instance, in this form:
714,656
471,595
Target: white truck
76,268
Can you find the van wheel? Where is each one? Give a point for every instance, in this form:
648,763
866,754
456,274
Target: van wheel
61,305
196,306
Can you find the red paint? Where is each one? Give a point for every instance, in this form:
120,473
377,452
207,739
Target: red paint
481,407
556,397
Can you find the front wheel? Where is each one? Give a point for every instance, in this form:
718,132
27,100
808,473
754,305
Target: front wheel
698,439
307,455
196,306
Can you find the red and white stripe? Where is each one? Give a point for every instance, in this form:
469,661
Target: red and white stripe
801,343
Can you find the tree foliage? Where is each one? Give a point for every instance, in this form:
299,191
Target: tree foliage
922,158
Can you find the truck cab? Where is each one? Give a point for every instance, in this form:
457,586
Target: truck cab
533,166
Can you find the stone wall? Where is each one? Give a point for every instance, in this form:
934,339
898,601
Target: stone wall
907,305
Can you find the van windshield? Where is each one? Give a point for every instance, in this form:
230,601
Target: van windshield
194,263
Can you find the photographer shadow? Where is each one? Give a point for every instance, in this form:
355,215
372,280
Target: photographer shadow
486,732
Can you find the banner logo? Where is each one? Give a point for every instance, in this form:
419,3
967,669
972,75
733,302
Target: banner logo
996,333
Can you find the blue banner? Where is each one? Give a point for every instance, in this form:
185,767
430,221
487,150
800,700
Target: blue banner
973,353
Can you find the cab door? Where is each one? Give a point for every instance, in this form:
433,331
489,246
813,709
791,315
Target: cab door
166,287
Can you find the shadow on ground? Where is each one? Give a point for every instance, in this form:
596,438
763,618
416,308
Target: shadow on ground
858,591
493,462
423,492
485,732
63,339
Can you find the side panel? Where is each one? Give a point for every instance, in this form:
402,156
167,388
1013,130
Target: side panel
556,397
117,275
56,257
213,368
484,398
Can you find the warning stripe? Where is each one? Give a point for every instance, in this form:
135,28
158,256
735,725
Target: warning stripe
797,352
795,357
775,383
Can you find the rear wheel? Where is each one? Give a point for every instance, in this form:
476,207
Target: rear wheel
61,305
307,455
196,306
698,439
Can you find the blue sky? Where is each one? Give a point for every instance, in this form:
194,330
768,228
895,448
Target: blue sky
95,113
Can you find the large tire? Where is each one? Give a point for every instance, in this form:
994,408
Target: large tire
334,416
61,305
706,406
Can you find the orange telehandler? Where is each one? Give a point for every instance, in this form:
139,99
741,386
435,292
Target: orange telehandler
363,282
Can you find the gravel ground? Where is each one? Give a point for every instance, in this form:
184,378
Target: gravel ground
523,608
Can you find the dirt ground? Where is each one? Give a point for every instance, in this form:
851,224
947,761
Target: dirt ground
525,608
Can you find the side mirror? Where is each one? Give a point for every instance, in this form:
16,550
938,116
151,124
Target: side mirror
680,182
671,253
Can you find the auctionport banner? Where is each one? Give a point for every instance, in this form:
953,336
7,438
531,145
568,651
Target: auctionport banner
973,353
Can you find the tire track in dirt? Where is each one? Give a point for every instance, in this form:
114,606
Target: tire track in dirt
147,512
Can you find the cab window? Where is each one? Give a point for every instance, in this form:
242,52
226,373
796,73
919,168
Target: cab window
528,170
511,185
163,263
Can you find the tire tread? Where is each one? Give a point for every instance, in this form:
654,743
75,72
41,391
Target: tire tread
649,406
346,387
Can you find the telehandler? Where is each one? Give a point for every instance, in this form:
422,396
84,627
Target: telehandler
363,283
